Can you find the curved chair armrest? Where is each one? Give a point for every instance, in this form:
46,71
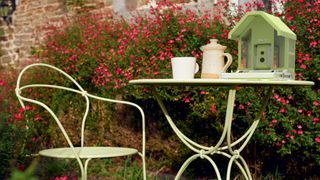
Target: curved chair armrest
130,104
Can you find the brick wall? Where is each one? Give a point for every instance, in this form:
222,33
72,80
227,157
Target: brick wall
29,26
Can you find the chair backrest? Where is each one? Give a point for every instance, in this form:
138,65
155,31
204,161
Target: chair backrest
79,90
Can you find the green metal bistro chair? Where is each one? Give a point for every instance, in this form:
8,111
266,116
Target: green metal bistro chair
82,154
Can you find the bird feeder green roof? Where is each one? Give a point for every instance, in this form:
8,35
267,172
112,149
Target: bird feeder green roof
265,44
281,28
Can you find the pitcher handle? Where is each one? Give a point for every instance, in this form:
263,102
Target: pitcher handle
229,62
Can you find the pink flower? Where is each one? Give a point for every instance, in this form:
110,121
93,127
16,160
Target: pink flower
308,113
186,100
2,83
274,121
38,118
21,110
116,86
294,131
289,136
282,110
307,57
34,139
289,18
283,101
293,28
171,41
9,120
241,106
27,108
18,116
303,66
61,178
213,108
317,139
315,103
300,132
278,144
118,71
182,22
202,92
313,44
299,126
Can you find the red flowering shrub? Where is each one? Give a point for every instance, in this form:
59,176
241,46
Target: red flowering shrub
120,51
13,133
303,18
295,129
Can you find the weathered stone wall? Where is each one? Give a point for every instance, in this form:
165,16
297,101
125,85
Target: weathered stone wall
32,18
30,26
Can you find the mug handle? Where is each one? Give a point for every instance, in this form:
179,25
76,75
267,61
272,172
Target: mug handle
196,69
229,62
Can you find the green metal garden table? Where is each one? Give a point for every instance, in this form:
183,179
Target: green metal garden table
229,150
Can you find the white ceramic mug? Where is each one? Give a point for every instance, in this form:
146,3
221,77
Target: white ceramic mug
184,67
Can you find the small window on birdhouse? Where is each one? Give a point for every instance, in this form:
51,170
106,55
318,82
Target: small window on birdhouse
278,41
245,42
291,53
291,45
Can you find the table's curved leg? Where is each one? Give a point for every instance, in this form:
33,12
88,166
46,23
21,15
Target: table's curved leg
192,158
204,151
246,137
235,154
243,171
188,142
243,168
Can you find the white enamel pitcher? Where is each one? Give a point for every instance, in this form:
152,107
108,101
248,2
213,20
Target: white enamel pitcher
213,63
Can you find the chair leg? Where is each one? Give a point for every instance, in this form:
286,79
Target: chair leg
85,172
144,169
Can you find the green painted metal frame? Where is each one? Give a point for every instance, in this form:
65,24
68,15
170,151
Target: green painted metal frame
204,152
87,96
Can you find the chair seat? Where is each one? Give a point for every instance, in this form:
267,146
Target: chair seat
88,152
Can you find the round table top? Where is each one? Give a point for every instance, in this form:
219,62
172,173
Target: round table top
220,82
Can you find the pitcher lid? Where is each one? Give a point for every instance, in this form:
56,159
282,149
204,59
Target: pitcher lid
213,45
